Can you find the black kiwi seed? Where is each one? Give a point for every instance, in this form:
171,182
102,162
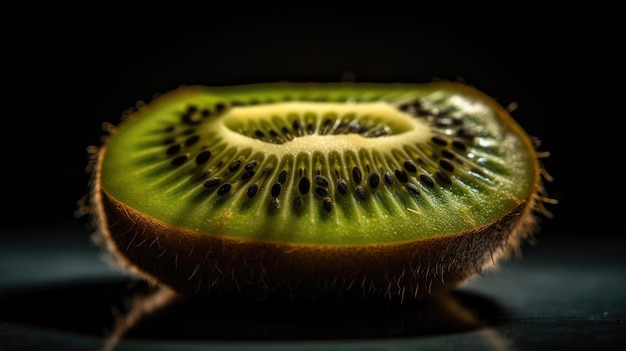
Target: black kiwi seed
410,166
459,144
374,179
321,191
426,179
412,188
443,177
286,132
247,175
401,175
446,164
328,204
388,178
424,112
224,189
189,117
209,183
234,166
191,109
276,188
326,126
173,149
192,140
356,175
360,192
448,154
250,165
304,185
342,187
220,107
321,180
203,157
179,160
282,177
252,189
439,140
296,125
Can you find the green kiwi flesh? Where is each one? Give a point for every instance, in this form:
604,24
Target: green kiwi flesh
316,190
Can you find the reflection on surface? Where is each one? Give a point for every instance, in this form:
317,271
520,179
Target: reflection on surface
56,295
133,310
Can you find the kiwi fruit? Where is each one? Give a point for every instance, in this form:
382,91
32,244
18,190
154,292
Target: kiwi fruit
310,190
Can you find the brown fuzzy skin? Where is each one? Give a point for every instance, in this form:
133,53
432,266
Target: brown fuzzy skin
208,264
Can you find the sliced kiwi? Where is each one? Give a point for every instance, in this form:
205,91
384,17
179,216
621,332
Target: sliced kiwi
316,190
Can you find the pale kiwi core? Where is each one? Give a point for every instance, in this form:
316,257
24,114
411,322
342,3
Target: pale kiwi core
485,179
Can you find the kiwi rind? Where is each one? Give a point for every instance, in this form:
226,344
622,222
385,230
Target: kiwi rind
197,263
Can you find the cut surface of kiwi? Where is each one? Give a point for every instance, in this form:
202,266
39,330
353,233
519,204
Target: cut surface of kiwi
316,190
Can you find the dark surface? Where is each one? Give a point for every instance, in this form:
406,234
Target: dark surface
57,293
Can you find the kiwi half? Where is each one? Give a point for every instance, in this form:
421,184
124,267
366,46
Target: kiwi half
316,190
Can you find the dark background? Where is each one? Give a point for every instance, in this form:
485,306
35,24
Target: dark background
70,70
